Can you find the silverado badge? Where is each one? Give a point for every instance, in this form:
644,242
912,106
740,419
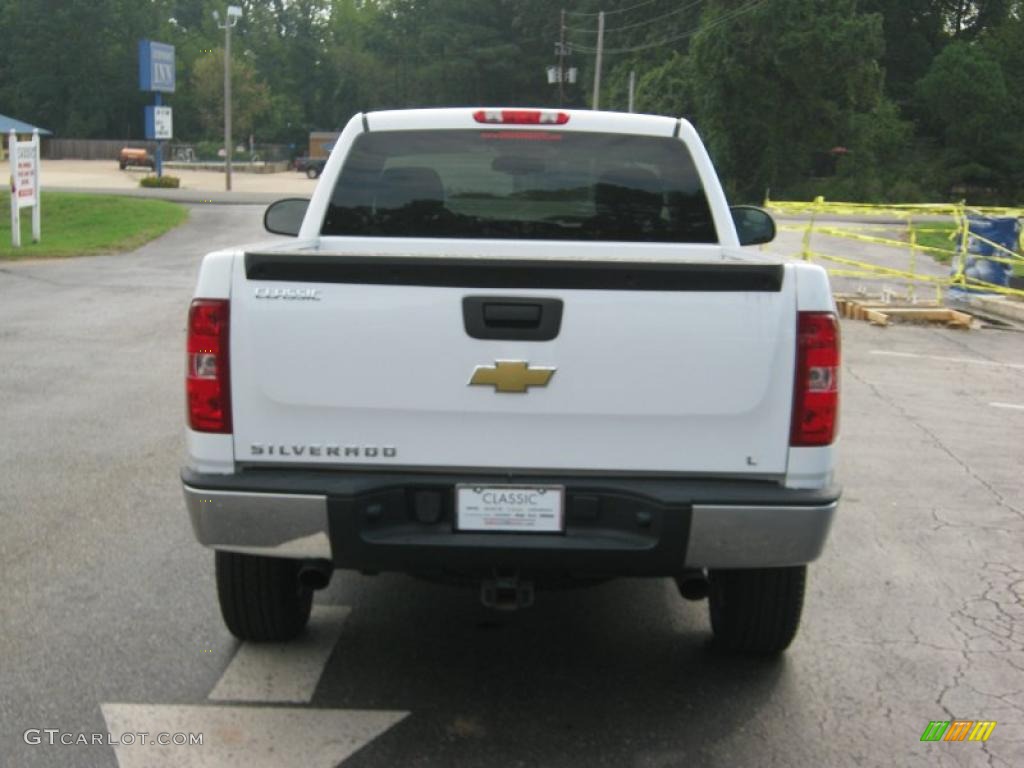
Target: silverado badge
511,376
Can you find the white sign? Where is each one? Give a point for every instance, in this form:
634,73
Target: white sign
513,508
26,175
163,124
24,157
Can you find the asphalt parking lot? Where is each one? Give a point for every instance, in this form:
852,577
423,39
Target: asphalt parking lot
915,612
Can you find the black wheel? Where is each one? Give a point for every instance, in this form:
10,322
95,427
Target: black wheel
312,173
260,597
756,610
122,164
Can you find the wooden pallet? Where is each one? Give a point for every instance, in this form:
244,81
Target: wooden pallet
882,313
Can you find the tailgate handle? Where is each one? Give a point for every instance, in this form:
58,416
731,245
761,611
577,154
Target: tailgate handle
512,318
511,315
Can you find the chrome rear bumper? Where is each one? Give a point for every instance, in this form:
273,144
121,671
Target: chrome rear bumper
683,535
273,524
757,537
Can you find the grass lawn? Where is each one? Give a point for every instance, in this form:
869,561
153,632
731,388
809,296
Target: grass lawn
937,235
78,224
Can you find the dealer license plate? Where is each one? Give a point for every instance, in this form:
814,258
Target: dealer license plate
510,508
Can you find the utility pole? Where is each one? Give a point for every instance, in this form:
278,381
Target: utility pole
229,144
632,89
561,62
234,13
559,73
597,66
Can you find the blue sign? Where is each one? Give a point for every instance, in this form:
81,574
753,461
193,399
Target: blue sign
156,66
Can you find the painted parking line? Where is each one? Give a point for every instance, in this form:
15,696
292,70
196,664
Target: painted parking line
971,360
1010,406
245,736
283,672
254,736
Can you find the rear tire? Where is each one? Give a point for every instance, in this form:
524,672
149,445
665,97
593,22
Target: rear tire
261,598
312,173
756,610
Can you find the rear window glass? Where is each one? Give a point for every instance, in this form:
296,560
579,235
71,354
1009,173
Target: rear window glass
543,185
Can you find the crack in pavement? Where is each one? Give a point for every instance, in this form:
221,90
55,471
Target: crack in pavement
29,276
947,337
992,616
942,523
936,440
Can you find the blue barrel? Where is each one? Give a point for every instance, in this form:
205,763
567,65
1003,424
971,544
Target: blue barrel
1002,230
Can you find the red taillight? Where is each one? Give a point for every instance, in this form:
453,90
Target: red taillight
207,384
520,117
816,393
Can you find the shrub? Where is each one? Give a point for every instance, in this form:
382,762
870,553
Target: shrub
166,182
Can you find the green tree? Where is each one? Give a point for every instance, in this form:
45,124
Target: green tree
1005,44
250,98
968,18
915,31
966,106
781,83
925,94
665,88
69,65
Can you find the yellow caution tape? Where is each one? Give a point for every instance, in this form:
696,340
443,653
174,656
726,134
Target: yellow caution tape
867,232
886,271
902,210
1014,256
992,288
836,232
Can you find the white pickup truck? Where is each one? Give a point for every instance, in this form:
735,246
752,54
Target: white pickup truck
518,348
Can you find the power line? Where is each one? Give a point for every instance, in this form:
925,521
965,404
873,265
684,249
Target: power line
686,7
610,13
716,22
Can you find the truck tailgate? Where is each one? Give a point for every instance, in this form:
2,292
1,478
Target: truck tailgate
681,368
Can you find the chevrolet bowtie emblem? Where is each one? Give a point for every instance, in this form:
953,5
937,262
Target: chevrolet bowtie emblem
511,376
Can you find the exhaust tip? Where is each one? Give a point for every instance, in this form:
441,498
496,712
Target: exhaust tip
693,586
315,575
